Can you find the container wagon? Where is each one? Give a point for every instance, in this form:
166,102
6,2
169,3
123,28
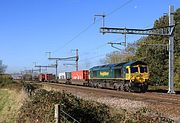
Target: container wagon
46,78
65,77
80,77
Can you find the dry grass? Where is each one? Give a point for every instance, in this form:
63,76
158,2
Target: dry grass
10,103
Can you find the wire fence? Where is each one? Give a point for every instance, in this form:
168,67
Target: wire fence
62,117
66,118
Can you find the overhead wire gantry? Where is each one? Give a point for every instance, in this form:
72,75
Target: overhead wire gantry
44,66
163,31
73,58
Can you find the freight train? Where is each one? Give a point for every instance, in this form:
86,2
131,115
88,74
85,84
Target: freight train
126,76
42,77
46,78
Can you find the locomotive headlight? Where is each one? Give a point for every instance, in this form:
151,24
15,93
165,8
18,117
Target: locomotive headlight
138,78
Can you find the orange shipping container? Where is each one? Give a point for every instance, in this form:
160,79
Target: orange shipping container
41,77
49,77
46,77
80,75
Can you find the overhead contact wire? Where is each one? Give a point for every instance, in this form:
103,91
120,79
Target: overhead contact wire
90,25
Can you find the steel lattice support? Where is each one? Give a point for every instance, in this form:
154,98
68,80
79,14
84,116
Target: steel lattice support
73,58
163,31
171,53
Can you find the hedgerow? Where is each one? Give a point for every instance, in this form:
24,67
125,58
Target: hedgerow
40,109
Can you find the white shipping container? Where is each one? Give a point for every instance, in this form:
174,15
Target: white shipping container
62,75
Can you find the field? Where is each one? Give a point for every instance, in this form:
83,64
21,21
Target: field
10,102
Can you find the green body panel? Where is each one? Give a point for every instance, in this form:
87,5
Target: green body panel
119,71
107,74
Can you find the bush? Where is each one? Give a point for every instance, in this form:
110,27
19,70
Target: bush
5,80
40,108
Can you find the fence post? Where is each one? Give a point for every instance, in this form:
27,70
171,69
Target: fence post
57,113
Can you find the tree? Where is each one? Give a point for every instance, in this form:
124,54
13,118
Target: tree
2,67
177,48
117,57
157,56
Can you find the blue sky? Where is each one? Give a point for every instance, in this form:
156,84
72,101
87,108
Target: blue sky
29,28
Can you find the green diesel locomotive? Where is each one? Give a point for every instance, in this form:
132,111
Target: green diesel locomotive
126,76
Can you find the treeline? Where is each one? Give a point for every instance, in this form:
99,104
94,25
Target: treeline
156,56
2,67
5,79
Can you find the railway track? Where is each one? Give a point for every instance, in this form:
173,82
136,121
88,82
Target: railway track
149,97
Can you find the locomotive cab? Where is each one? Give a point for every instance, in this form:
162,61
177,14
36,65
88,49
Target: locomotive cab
137,74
